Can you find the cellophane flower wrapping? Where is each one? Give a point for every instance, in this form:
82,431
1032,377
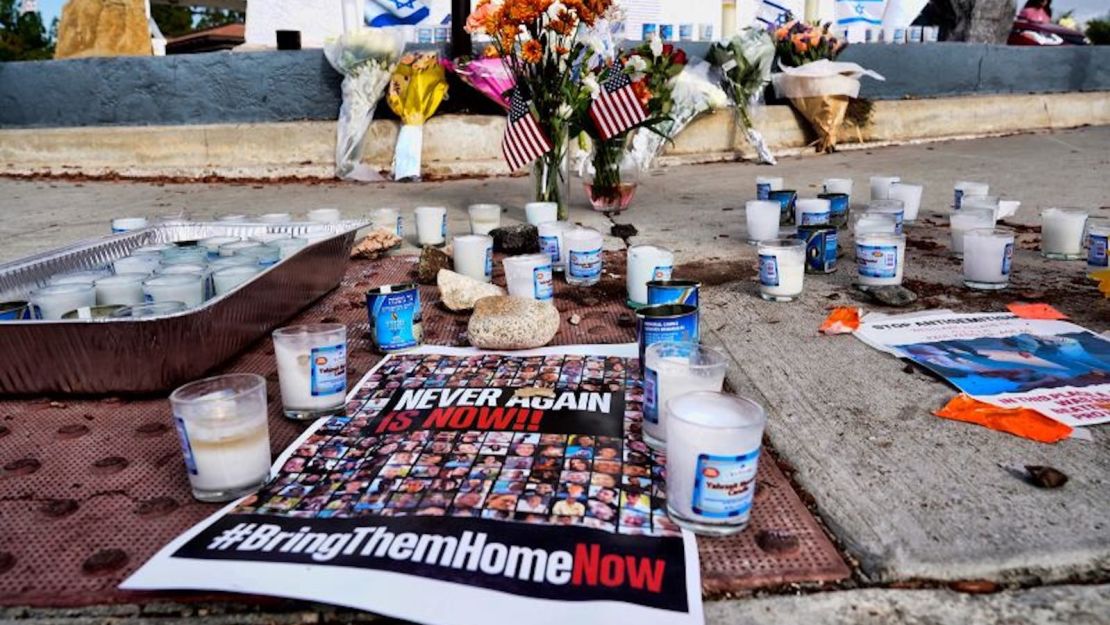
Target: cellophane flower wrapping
745,63
416,89
693,93
820,92
366,58
488,76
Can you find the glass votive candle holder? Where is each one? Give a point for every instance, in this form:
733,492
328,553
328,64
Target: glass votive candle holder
194,268
288,247
123,289
537,213
264,238
530,276
431,226
187,288
894,208
880,259
79,277
838,185
583,248
1062,233
234,218
672,368
230,261
275,218
765,184
233,248
312,369
880,186
152,248
812,212
782,268
866,223
484,218
224,434
762,218
194,254
263,255
473,256
388,219
966,188
126,224
967,219
1098,234
325,215
988,258
988,202
138,263
226,279
910,196
551,242
55,300
141,311
212,244
646,263
713,445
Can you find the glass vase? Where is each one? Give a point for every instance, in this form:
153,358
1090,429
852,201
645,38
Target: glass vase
612,178
551,175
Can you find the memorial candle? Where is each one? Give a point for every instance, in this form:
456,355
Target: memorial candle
811,212
431,226
781,269
484,218
473,256
226,279
880,186
186,288
672,368
967,219
910,196
583,249
646,263
880,259
988,257
288,247
124,289
965,188
312,369
530,276
765,184
1098,235
54,301
762,217
125,224
551,242
1062,233
212,244
541,212
138,263
388,219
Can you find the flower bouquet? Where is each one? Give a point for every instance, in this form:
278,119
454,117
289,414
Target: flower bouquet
417,87
488,76
745,64
366,58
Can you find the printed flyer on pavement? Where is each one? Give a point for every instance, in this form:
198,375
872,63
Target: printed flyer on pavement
1054,367
462,486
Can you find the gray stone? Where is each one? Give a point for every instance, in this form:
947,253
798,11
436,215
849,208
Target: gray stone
431,262
516,239
459,292
893,295
504,322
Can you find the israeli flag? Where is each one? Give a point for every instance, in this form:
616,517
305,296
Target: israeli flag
855,17
775,13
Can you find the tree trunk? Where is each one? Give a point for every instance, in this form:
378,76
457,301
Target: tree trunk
980,21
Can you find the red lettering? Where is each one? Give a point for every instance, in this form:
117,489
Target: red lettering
463,417
612,570
397,421
645,572
537,416
438,419
585,564
497,419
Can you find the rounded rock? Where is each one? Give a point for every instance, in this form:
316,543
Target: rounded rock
505,322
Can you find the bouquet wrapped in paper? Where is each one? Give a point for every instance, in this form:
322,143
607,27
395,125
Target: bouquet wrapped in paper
488,76
418,85
745,63
366,59
820,92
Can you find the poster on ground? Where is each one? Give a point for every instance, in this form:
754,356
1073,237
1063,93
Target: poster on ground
462,487
1054,367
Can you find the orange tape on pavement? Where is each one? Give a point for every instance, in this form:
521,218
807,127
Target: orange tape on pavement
842,320
1023,422
1035,311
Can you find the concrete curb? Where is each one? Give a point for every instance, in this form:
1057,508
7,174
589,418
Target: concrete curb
465,145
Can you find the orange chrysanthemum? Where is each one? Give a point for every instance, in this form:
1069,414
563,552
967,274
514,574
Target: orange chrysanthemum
531,51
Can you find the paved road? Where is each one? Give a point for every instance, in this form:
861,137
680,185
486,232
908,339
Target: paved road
909,495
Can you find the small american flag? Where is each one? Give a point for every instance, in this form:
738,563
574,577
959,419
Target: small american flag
616,108
524,141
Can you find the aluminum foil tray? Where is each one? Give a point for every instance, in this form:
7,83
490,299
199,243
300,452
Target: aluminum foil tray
155,354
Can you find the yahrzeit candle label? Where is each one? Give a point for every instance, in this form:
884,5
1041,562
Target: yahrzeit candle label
395,317
328,370
724,486
543,283
768,270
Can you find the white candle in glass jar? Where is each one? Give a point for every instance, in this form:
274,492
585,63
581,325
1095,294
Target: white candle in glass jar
894,208
965,188
186,288
388,219
713,446
484,218
270,237
765,184
54,301
647,263
79,277
988,257
138,263
288,247
880,186
910,196
121,289
1062,233
988,202
263,255
551,242
233,248
227,278
875,223
324,215
431,225
126,224
838,185
880,259
185,255
583,250
812,211
212,244
672,368
275,218
967,219
530,276
234,218
781,269
541,212
473,256
312,369
762,217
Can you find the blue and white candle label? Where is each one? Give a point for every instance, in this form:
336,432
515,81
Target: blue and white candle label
585,264
814,219
443,227
186,446
830,247
328,370
543,283
400,226
958,199
651,396
1097,250
550,247
877,261
394,316
489,262
662,272
724,486
1007,259
763,191
768,270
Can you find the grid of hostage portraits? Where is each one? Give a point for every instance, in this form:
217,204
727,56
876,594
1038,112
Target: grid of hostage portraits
344,470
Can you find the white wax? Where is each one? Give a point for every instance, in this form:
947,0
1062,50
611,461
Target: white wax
324,215
230,249
1007,208
153,248
1062,232
179,255
139,263
54,301
541,212
122,289
838,185
234,217
270,237
811,211
967,219
229,456
473,256
880,186
762,218
295,373
910,196
431,225
275,218
894,208
965,188
710,424
288,247
647,263
79,277
388,219
530,276
987,256
124,224
263,255
484,218
987,202
880,259
551,242
185,288
583,253
212,244
228,278
674,377
781,270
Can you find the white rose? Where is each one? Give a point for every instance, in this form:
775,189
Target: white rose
656,45
589,81
564,111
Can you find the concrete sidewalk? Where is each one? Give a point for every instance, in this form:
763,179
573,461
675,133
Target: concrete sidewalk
909,496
